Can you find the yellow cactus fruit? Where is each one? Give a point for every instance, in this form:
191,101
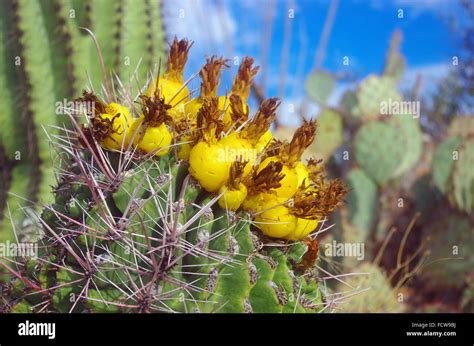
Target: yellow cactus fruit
172,91
303,174
225,110
207,166
304,227
184,148
156,139
263,141
109,124
235,192
275,220
171,86
192,108
262,184
289,183
232,199
251,202
236,147
119,120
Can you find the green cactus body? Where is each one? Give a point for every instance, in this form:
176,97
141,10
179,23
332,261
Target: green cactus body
377,294
46,57
410,129
221,268
41,81
104,19
319,86
373,92
331,133
361,201
395,62
462,194
350,104
379,148
443,161
452,168
132,47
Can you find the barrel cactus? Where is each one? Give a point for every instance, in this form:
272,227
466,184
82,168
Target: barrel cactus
169,203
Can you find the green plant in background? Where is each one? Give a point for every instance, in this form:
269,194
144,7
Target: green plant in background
451,247
45,58
374,291
395,170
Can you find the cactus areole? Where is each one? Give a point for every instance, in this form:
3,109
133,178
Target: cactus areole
165,205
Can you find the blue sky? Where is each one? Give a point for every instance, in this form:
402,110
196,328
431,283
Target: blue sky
361,31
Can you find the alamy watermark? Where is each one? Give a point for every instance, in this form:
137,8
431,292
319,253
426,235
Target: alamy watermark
9,249
229,154
396,107
336,249
74,107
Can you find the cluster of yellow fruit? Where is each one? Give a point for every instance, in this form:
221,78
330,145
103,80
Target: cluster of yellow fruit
229,153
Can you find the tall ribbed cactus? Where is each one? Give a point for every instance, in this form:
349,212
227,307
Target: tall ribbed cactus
45,58
173,204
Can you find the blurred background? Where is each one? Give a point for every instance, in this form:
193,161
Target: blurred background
410,169
338,61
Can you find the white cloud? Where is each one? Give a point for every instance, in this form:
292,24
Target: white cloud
204,22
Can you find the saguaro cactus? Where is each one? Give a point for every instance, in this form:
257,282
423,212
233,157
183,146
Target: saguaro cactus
46,57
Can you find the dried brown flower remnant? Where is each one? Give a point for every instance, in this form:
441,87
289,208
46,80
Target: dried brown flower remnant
177,58
155,111
266,179
236,173
301,140
90,99
209,124
210,75
262,120
314,203
243,79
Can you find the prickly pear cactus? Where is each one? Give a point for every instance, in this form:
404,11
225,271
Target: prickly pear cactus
462,194
410,128
361,201
373,92
330,135
179,204
319,86
443,161
452,171
379,149
395,62
350,105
